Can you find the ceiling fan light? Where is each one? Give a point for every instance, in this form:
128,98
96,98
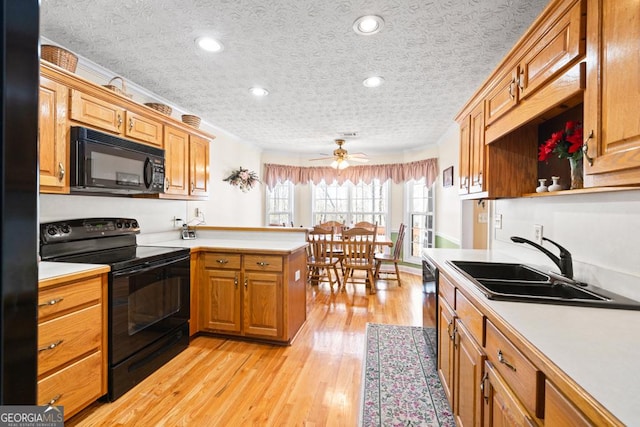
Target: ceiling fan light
343,165
334,164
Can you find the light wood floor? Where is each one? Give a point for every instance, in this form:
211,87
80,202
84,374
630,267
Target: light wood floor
313,382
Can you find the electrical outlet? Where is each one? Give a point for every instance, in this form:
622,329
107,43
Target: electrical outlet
497,222
537,233
198,212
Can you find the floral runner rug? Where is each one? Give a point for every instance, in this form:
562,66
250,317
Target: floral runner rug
400,385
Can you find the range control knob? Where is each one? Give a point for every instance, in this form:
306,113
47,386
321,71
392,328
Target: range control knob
66,229
134,224
127,225
119,224
52,230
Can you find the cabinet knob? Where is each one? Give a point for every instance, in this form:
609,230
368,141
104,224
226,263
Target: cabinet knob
235,281
262,263
246,283
222,261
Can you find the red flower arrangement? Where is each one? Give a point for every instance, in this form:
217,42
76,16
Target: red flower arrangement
567,143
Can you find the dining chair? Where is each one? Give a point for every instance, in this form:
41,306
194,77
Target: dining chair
336,225
365,224
358,247
321,260
393,257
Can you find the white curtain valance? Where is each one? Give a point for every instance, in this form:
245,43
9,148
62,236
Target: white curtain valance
398,172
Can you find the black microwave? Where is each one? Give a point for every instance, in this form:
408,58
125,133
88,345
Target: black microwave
103,163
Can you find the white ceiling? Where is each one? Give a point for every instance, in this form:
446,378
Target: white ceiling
433,54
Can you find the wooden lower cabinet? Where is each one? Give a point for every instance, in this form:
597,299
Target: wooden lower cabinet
72,342
446,324
469,359
559,411
501,406
253,295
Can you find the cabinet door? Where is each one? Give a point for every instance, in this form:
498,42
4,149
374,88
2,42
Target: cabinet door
501,406
613,93
469,359
176,151
222,300
95,112
476,155
560,46
263,304
559,411
53,137
502,97
465,168
445,348
198,166
143,129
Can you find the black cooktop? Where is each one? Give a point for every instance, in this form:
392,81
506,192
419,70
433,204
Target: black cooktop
122,258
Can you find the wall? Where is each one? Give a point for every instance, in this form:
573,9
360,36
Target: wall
601,230
448,226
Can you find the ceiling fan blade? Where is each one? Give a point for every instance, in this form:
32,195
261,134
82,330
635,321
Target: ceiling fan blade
360,155
322,158
358,159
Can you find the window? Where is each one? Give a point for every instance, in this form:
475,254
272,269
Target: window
349,203
280,204
420,214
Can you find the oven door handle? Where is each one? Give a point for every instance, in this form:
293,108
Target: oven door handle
148,266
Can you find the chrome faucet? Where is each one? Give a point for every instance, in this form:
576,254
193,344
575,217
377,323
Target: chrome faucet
564,262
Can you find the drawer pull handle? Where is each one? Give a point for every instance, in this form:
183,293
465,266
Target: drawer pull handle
502,360
262,263
222,261
585,149
50,346
449,332
61,171
235,281
54,400
51,302
130,124
119,120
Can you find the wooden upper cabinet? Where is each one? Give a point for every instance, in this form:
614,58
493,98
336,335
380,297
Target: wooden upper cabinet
95,112
613,93
176,151
477,150
53,136
464,168
198,166
143,129
503,96
558,47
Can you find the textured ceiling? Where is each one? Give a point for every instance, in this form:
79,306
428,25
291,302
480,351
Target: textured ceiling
432,54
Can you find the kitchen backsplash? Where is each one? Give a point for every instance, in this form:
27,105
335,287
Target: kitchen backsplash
601,230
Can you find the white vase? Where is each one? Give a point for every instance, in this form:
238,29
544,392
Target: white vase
542,188
555,186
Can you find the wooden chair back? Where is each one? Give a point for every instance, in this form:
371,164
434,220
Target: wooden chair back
320,240
335,225
398,245
358,247
366,224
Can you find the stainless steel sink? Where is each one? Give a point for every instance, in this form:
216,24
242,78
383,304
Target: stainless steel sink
518,282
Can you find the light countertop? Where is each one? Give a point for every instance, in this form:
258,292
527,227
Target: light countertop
50,270
276,246
598,348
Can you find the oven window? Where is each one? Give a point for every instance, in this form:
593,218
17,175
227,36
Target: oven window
151,299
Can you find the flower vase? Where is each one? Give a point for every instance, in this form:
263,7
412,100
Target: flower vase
555,184
542,187
576,172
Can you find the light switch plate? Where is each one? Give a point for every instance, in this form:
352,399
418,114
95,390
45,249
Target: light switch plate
497,222
537,233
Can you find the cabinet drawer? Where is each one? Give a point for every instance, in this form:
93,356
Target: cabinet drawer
67,337
520,374
471,317
263,262
446,290
222,260
73,387
559,411
59,300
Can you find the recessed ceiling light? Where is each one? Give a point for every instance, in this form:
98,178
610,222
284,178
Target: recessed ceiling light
258,91
374,81
367,25
209,44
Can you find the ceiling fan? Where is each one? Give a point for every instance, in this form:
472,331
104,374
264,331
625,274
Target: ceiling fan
341,157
